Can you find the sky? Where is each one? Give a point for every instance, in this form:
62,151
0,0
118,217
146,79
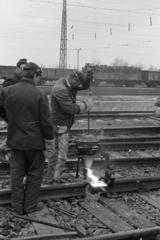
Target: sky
100,30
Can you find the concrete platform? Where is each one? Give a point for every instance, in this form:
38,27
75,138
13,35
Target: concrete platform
123,106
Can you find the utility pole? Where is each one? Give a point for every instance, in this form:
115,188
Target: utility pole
78,49
63,43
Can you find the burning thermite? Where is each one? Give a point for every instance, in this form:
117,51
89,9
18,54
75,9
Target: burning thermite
102,182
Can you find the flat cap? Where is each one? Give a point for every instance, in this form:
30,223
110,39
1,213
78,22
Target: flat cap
81,76
21,61
33,66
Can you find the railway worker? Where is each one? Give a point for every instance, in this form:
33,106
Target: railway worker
63,108
16,76
11,80
30,137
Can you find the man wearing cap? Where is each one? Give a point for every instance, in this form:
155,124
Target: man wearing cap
16,76
11,80
63,108
30,137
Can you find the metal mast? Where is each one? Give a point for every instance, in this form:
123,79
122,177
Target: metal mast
78,49
63,43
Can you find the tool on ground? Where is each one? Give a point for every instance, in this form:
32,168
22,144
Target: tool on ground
42,222
64,211
108,176
80,231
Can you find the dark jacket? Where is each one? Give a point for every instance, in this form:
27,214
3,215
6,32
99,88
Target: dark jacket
12,79
29,119
63,104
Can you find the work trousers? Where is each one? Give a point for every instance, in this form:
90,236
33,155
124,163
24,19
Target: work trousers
57,162
29,163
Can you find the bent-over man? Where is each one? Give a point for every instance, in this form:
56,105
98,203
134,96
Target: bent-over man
63,108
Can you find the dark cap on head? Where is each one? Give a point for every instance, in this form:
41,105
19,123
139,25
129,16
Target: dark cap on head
21,61
81,76
33,66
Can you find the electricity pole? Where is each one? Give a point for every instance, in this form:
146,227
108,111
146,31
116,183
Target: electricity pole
63,44
78,49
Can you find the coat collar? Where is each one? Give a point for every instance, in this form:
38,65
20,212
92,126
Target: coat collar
29,80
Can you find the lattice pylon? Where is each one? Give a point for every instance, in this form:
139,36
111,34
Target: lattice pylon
63,43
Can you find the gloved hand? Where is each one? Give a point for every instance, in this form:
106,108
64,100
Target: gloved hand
157,102
89,103
82,107
157,113
85,105
49,148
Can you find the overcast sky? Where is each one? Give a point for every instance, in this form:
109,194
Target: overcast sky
103,29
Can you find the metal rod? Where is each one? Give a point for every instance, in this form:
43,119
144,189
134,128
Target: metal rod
89,111
41,222
77,170
66,212
56,236
88,121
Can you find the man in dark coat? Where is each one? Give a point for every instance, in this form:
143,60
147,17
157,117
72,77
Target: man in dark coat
30,137
12,79
63,108
16,76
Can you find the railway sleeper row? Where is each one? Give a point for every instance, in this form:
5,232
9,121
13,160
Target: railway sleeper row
108,130
114,218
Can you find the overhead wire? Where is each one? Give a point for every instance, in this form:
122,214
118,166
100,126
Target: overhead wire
91,7
77,28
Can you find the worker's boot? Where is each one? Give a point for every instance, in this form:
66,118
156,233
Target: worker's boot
58,171
51,167
39,206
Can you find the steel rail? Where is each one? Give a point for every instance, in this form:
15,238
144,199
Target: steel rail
130,185
129,145
114,115
145,234
130,139
109,130
56,236
118,112
74,190
110,91
100,163
115,130
51,192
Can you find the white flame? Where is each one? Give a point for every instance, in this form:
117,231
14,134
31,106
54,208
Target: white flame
95,180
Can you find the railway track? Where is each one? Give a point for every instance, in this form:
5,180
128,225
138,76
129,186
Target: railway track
110,91
111,215
124,139
114,91
116,114
120,220
107,131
